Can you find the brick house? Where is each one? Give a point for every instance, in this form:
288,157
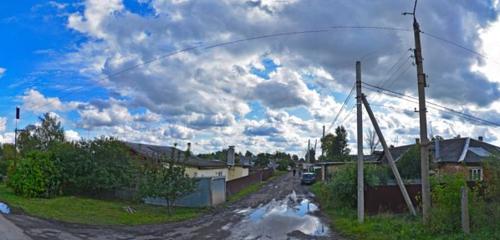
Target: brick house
454,155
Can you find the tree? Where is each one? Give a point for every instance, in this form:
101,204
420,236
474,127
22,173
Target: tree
335,146
41,137
372,140
263,159
168,181
248,154
409,164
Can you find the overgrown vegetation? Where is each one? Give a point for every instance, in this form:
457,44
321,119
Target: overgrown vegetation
341,190
338,198
47,166
84,210
168,181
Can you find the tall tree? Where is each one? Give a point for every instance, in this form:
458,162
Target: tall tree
43,136
339,146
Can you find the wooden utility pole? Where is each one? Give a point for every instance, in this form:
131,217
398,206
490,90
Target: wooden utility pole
422,110
361,195
388,155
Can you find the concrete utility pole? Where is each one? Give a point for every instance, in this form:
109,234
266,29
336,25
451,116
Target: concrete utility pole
422,110
322,148
361,194
388,155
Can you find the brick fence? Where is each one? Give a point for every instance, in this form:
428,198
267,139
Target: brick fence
236,185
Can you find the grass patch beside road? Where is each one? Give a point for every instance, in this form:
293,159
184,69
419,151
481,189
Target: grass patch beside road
387,226
95,212
253,187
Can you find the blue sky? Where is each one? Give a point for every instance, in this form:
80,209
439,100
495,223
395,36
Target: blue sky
261,95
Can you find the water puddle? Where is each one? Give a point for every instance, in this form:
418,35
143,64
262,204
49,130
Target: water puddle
4,208
276,219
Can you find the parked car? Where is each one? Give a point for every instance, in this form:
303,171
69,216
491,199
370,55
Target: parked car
308,178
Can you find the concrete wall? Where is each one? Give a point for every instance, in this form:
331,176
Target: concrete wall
235,172
210,191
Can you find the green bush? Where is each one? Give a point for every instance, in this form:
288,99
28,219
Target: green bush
94,167
343,184
446,195
36,175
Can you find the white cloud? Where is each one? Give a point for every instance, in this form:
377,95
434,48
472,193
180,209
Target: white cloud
36,102
211,90
3,123
2,71
72,135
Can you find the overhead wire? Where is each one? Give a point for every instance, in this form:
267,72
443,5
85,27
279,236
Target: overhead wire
433,105
227,43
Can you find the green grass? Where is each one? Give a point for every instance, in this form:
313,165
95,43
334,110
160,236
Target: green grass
91,211
388,226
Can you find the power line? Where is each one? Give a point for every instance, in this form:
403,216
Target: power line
458,46
258,37
340,110
435,105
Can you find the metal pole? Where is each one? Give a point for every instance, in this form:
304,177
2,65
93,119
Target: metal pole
422,110
322,148
361,196
388,155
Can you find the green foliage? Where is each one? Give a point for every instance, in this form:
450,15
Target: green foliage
343,184
94,167
168,181
36,175
41,137
7,157
446,193
335,146
74,209
409,164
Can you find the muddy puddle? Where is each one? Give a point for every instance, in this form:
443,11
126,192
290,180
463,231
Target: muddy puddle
279,219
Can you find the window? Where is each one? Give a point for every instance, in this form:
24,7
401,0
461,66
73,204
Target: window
219,173
475,174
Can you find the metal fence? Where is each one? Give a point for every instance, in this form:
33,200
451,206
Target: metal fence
388,198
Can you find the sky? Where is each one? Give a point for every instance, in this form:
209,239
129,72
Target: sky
158,71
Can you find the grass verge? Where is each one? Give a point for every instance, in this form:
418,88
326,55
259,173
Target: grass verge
95,212
387,226
253,188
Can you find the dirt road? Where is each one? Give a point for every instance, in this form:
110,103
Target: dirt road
223,222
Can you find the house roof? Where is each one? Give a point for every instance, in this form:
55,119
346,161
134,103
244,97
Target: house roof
453,150
155,151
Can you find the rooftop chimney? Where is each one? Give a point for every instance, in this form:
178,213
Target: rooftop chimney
480,138
417,140
230,156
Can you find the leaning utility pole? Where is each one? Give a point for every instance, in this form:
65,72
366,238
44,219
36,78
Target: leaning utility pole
422,110
361,195
389,157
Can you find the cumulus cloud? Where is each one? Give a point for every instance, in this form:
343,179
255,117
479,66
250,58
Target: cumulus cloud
211,89
72,135
36,102
3,123
2,71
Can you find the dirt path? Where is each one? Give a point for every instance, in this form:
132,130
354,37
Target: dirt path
213,225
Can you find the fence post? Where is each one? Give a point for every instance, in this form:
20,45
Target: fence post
465,210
